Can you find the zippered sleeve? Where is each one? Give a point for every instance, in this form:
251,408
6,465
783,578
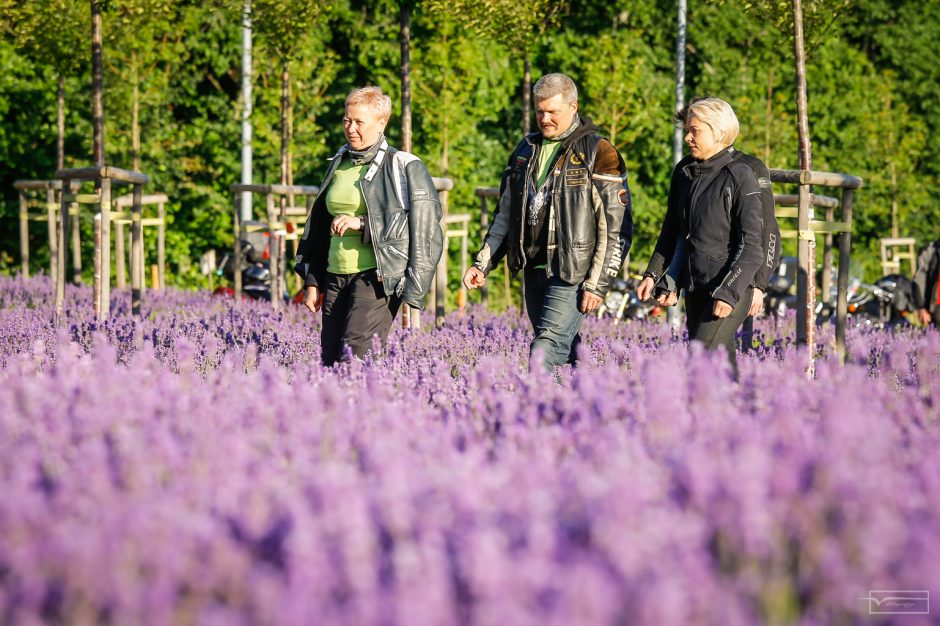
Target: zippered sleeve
670,230
613,218
747,225
425,237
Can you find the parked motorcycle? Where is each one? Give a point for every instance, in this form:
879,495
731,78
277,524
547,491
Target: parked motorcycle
621,302
885,303
256,270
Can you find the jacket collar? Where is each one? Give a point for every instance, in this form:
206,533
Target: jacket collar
712,164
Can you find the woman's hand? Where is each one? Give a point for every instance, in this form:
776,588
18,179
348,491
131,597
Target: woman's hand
342,223
645,289
721,309
924,317
313,299
757,303
670,298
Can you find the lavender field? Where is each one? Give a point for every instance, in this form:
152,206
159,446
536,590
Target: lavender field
198,466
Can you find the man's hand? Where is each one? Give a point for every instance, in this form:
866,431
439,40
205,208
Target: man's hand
313,300
474,278
590,302
757,303
342,223
721,309
670,298
645,289
924,317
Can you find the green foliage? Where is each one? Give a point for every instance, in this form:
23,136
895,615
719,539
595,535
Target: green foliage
872,75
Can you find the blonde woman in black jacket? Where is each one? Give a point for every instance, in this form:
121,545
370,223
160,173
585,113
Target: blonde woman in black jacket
715,212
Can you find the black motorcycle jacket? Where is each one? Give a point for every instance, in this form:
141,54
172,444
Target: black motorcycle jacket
403,225
770,234
716,207
590,220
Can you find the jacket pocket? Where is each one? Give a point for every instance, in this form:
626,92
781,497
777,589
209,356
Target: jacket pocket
396,225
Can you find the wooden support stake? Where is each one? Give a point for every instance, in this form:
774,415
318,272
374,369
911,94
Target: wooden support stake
52,215
237,265
137,252
161,246
845,245
274,249
103,251
120,257
24,235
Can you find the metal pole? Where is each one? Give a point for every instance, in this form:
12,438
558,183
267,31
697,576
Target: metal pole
246,110
672,313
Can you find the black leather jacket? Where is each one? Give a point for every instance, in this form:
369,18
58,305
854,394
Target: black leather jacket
715,207
403,225
925,279
770,233
591,225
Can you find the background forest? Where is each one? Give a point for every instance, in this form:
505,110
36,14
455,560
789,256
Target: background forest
173,100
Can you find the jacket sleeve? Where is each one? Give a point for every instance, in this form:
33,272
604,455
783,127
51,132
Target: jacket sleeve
921,292
670,231
613,218
425,237
494,243
675,276
747,225
770,233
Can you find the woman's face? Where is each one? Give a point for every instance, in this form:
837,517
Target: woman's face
362,126
704,142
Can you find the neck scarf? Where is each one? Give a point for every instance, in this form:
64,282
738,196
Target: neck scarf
361,157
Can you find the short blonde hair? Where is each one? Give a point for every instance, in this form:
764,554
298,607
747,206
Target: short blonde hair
717,115
371,98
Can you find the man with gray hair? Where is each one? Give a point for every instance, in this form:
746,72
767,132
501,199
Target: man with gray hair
563,218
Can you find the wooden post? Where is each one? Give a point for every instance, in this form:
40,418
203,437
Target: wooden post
845,244
62,251
104,250
24,234
161,245
96,266
137,251
461,290
76,242
826,286
440,277
52,215
275,262
120,255
155,277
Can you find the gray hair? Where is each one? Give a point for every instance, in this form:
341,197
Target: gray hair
718,115
371,98
551,85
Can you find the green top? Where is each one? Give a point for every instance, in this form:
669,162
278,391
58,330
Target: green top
547,156
348,255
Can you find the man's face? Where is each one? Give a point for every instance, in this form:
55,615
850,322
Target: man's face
554,115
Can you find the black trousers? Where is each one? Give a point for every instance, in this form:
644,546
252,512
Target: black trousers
716,331
355,308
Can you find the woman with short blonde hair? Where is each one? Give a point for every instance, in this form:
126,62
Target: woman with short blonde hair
373,237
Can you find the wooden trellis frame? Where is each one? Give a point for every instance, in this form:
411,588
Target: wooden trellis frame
45,195
102,177
894,250
125,218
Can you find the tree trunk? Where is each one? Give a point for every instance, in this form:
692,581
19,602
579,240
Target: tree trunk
60,123
895,226
768,118
135,114
285,102
526,94
806,247
97,84
405,69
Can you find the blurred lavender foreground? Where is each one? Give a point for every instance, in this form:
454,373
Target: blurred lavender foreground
198,466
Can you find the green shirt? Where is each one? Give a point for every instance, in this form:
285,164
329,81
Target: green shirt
348,255
547,156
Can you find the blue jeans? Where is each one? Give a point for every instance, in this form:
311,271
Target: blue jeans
552,305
